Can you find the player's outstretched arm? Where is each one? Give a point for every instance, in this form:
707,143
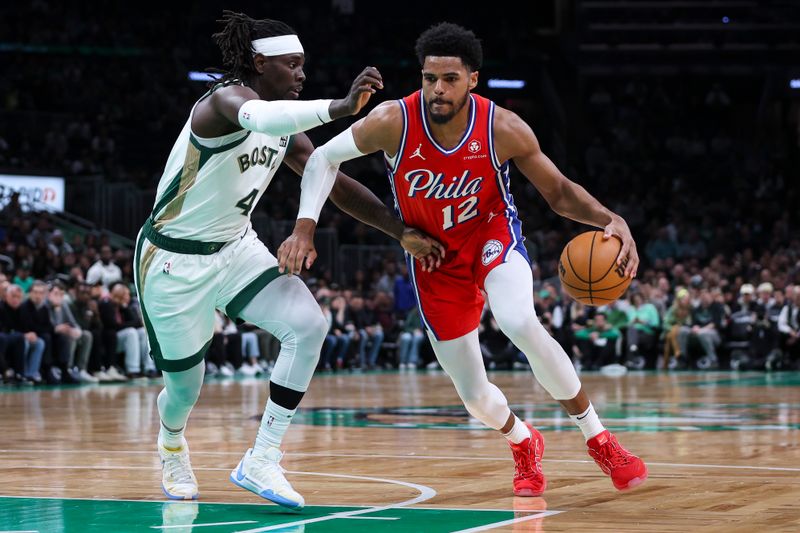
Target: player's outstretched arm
515,140
321,178
242,106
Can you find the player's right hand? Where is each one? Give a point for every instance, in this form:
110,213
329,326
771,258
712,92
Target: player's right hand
429,252
299,246
364,86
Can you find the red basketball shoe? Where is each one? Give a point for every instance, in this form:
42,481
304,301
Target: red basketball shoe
626,470
528,477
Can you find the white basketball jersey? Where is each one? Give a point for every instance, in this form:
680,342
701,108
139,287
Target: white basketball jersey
210,186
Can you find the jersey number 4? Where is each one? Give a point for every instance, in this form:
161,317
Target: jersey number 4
468,209
246,203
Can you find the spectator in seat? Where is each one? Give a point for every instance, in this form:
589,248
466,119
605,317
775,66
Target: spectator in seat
368,332
71,344
12,345
404,297
789,326
34,346
35,318
597,343
23,279
409,340
642,332
707,322
86,311
677,323
124,331
104,270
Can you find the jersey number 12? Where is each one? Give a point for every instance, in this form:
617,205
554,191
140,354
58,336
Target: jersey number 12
467,209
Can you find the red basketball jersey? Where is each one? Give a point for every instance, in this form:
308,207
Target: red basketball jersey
461,198
449,193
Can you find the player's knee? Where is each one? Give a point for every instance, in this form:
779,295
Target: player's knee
187,395
520,325
484,402
314,329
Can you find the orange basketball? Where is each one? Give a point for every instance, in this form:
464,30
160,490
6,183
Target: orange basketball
588,269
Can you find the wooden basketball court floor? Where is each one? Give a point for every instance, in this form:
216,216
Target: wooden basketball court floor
397,452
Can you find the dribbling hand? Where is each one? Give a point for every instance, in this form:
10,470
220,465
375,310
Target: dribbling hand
628,255
426,250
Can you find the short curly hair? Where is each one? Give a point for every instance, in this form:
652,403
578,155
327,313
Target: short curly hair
450,40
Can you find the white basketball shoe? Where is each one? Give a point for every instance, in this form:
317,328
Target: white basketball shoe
262,474
177,479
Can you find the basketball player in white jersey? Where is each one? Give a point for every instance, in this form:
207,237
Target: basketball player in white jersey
197,252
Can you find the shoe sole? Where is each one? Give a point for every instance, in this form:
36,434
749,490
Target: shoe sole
633,483
267,494
174,497
529,492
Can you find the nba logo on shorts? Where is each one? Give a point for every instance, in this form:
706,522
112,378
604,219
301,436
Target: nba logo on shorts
491,250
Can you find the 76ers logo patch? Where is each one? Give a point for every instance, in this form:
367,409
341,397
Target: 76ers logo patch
491,251
474,146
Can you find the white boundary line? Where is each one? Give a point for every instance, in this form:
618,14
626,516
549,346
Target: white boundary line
425,494
370,518
493,525
190,526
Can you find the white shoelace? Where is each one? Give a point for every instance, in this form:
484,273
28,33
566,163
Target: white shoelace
273,469
178,467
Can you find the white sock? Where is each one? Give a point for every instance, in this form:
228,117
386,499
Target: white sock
274,424
519,432
172,440
588,422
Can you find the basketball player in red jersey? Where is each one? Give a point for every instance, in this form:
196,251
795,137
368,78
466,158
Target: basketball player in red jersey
447,152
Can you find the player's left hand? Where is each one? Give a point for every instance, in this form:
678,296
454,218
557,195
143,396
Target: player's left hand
297,247
426,250
628,256
364,86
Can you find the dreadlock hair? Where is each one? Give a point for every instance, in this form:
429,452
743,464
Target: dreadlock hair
235,41
450,40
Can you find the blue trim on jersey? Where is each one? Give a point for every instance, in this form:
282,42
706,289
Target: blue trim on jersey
467,133
399,155
412,270
504,185
390,171
492,153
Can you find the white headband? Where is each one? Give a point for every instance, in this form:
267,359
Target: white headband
278,46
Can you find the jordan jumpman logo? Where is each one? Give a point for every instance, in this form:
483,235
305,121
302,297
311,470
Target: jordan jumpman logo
418,153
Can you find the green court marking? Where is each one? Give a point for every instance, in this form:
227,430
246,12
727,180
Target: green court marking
104,516
626,416
772,379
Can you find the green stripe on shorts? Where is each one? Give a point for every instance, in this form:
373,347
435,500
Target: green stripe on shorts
246,295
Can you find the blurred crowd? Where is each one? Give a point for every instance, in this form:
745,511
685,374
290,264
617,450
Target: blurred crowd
703,166
69,314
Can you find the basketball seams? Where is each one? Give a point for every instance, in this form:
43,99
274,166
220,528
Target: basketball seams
572,267
591,291
624,281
